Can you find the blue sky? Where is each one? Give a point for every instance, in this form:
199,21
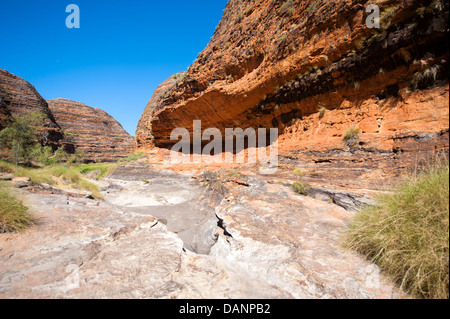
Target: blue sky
121,53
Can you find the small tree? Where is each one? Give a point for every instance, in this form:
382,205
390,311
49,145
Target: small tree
43,155
46,156
20,137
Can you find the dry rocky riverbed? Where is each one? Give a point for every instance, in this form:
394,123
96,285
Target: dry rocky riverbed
161,234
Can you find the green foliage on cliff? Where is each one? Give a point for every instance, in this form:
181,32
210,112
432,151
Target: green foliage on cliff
46,156
105,169
407,233
22,141
19,138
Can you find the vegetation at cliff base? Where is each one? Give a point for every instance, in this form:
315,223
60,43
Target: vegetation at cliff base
18,139
25,153
407,233
132,157
104,169
14,216
101,170
57,175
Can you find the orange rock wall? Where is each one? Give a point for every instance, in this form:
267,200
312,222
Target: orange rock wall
277,63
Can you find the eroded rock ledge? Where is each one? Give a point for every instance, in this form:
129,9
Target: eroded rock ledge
313,69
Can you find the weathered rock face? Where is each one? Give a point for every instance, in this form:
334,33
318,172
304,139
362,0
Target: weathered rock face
313,69
92,130
144,135
18,97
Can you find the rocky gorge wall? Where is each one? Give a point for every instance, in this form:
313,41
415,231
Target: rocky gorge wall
18,97
144,128
92,131
313,69
68,124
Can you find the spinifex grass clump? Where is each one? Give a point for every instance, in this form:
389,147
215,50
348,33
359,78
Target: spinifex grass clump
14,215
351,133
407,233
322,111
72,176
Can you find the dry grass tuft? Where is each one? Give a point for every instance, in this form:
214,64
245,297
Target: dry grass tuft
407,233
14,216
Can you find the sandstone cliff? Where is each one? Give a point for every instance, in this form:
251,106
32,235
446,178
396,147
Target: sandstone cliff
144,128
92,130
18,97
314,69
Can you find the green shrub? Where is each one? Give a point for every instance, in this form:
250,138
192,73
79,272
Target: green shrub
46,156
105,169
407,233
14,215
19,138
66,175
386,17
301,188
73,177
6,167
37,176
299,173
43,155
